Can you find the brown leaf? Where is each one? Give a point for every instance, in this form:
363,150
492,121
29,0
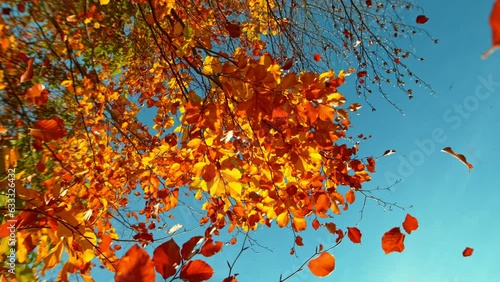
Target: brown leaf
460,157
210,248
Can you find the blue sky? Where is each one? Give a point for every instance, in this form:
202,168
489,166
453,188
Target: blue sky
455,208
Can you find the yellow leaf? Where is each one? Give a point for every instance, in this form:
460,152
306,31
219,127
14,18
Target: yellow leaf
104,2
283,219
211,65
54,257
233,175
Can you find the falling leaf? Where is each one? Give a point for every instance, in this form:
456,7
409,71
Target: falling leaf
298,241
458,156
388,153
317,57
410,224
174,228
350,196
166,258
495,28
315,224
28,74
421,19
354,234
393,241
135,266
323,265
195,271
467,252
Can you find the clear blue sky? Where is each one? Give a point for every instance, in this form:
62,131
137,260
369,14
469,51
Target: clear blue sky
455,208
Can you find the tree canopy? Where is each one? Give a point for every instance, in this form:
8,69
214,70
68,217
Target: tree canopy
115,113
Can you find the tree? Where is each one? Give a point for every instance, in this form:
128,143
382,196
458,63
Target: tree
244,116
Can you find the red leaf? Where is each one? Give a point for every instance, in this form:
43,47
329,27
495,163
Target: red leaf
323,265
317,57
495,28
166,257
315,224
361,74
354,234
340,235
393,241
135,266
410,224
421,19
48,129
371,165
460,157
209,248
298,241
467,252
288,64
195,271
188,247
28,74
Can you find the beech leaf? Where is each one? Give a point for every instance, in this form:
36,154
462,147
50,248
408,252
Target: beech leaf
460,157
135,266
323,265
195,271
410,224
393,241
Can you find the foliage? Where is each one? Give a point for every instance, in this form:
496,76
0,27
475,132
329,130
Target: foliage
246,120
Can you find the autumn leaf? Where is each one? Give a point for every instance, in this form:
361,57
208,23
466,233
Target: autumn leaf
467,252
48,129
188,247
389,152
196,271
460,157
317,57
315,224
322,265
298,241
354,234
495,28
135,266
234,30
166,258
350,196
421,19
28,74
410,224
393,241
210,248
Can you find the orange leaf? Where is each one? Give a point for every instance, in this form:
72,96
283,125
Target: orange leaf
322,205
340,235
188,247
371,165
357,165
209,248
299,224
317,57
325,113
323,265
48,129
495,28
354,234
467,252
393,241
350,196
315,224
28,74
410,224
195,271
166,258
458,156
135,266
